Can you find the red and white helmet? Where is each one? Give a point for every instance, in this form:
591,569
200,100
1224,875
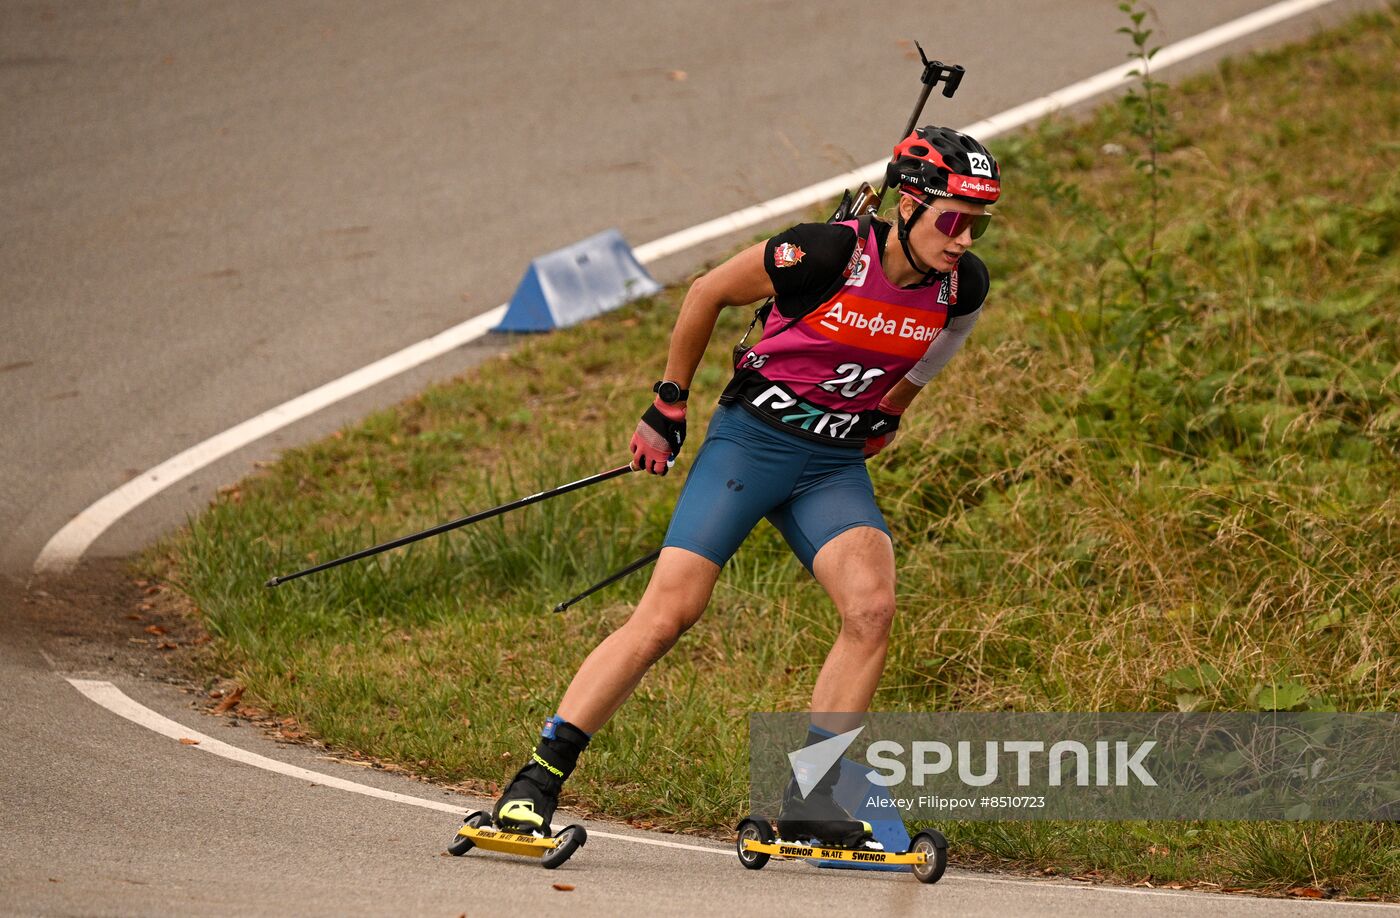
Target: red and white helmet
939,162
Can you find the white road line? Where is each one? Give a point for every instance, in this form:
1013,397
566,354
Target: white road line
67,546
994,126
69,543
118,702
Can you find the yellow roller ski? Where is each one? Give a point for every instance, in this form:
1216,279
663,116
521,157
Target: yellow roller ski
552,850
757,842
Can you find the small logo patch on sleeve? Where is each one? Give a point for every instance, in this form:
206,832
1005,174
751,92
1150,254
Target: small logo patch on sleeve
857,270
785,255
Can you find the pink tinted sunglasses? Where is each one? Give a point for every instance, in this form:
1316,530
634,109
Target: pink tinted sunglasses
953,223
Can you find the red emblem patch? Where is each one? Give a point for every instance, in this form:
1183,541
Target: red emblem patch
785,255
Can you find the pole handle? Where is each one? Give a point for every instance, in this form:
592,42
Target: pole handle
936,72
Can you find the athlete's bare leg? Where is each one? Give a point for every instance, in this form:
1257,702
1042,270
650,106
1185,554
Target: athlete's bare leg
857,570
679,590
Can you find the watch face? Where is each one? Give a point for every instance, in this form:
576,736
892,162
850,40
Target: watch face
670,392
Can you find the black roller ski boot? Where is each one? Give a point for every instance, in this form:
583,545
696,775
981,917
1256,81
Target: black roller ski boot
817,816
528,803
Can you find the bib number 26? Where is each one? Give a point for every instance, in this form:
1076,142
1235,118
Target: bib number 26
852,379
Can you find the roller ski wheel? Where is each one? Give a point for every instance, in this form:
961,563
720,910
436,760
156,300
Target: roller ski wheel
754,830
461,844
567,840
934,847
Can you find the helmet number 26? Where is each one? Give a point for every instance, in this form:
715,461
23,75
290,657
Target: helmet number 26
853,379
979,164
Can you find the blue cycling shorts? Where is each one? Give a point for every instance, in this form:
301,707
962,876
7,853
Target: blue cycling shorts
747,470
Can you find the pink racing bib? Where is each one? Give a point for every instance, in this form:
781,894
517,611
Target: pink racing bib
814,377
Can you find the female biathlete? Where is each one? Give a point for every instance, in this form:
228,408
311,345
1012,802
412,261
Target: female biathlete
863,318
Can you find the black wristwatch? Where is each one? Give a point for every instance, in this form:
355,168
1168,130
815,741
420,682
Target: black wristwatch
670,392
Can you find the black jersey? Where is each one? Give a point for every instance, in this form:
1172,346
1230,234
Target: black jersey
826,253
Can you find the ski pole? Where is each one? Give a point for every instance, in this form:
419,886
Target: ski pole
935,72
612,578
868,200
458,523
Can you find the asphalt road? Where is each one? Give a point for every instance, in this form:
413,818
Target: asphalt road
105,817
209,209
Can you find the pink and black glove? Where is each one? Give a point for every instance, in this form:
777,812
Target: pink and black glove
880,426
659,436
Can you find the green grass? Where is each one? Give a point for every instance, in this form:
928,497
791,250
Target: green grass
1217,529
